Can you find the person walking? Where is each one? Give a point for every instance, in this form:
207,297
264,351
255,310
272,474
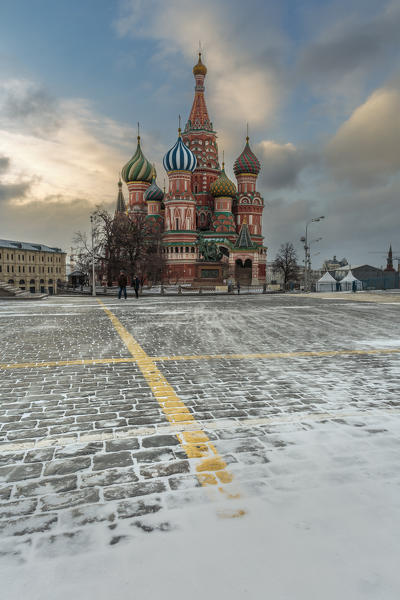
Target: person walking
136,286
122,282
238,287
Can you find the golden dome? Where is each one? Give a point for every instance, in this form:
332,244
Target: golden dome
199,69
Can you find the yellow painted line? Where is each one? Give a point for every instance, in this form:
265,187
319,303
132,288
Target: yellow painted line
275,354
210,467
271,355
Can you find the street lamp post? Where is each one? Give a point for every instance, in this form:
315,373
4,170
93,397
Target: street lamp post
93,270
307,255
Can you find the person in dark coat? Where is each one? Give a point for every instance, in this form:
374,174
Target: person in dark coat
122,282
136,286
238,287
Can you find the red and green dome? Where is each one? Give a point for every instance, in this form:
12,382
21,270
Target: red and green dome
247,162
138,168
223,186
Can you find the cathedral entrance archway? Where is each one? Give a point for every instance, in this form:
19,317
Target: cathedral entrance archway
243,271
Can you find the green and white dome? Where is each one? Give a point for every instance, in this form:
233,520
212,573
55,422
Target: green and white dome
138,168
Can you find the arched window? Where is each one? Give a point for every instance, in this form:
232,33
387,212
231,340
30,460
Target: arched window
247,263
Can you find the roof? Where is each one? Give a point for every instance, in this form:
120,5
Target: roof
327,277
349,277
15,245
244,239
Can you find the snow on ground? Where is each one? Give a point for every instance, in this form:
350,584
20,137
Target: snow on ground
313,444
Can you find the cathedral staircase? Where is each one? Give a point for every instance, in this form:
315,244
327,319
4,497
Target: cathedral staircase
12,292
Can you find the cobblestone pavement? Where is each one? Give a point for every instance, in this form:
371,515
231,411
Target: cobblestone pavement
117,416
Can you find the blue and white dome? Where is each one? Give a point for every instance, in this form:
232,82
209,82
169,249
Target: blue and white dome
180,158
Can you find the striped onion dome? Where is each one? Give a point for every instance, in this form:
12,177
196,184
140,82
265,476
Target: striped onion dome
153,192
180,158
223,186
138,168
247,162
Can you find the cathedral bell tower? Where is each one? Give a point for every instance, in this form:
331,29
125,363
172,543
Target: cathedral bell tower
200,137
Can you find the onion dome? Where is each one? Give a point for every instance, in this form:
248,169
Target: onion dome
247,162
138,168
223,186
180,158
199,69
153,192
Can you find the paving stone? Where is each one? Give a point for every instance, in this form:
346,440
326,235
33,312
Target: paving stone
164,470
15,509
154,455
184,483
46,486
122,444
135,489
64,467
158,441
79,450
68,499
28,524
10,458
5,492
112,459
87,514
108,477
20,472
40,455
138,508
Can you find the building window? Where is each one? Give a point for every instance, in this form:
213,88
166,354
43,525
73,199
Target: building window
176,223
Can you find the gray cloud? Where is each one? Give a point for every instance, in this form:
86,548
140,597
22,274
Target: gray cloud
51,220
282,164
366,149
31,106
8,191
356,222
4,164
351,47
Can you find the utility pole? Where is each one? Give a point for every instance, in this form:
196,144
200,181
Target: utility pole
307,255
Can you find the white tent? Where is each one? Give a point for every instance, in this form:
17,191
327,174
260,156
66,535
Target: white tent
327,283
347,283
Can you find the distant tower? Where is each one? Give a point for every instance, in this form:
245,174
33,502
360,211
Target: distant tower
200,137
250,204
121,206
248,212
389,260
137,174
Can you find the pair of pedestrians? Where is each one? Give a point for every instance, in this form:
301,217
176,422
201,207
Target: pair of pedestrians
123,282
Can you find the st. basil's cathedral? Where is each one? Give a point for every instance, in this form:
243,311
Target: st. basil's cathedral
211,228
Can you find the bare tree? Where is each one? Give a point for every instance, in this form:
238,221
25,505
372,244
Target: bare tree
121,242
285,263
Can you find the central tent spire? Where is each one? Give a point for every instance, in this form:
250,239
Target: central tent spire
199,118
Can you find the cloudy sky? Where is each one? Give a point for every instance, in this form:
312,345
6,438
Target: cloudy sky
318,81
